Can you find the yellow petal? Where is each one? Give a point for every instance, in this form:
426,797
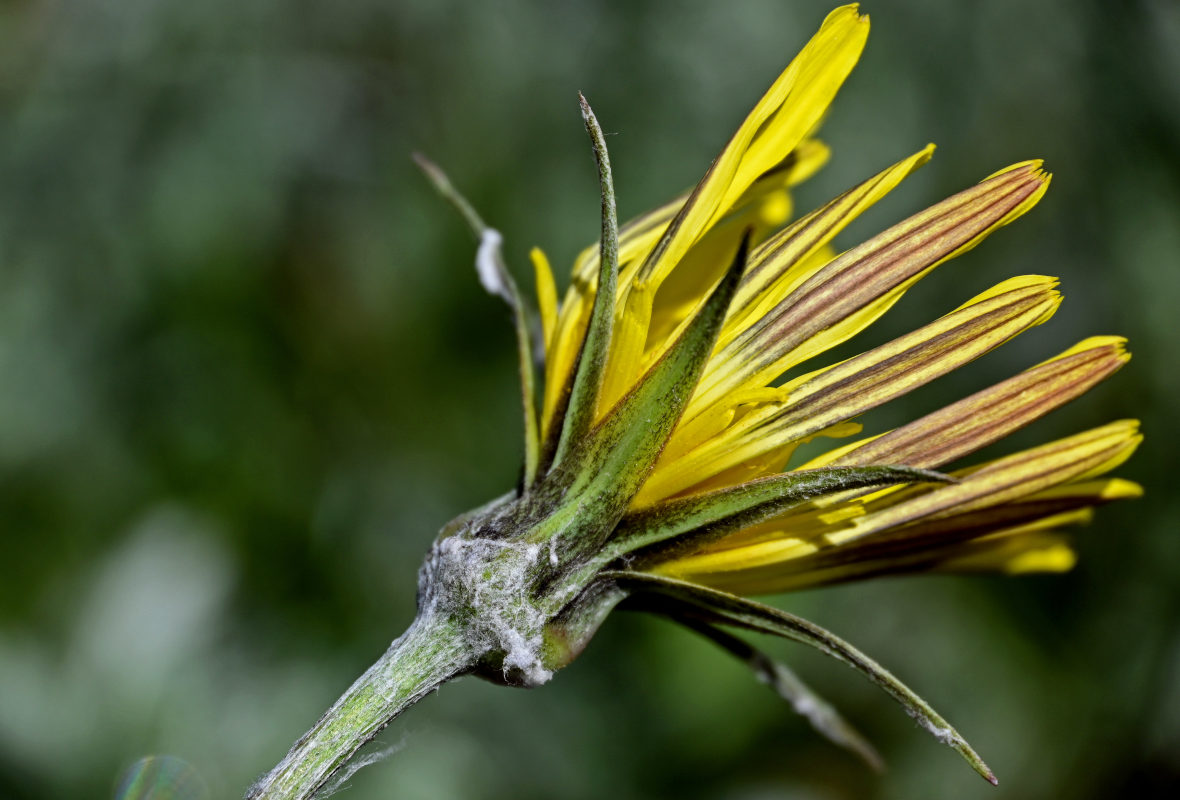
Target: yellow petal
1014,554
764,206
546,294
789,109
1073,458
853,290
821,399
793,106
626,353
1031,491
771,275
987,416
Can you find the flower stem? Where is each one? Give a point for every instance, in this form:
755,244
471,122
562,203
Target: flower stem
429,653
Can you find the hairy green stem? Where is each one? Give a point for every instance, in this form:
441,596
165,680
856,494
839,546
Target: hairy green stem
428,654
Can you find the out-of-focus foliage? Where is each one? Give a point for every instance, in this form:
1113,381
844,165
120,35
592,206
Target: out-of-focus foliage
246,372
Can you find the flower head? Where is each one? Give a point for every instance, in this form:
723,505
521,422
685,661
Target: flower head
660,472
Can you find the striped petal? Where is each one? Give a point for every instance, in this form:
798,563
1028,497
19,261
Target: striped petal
821,399
779,265
1071,459
776,260
846,295
987,416
1036,547
1020,489
1013,537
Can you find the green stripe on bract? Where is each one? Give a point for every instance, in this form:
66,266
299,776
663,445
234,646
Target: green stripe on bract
603,472
587,385
678,527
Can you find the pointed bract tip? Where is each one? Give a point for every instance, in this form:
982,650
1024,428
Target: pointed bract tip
933,476
588,116
442,184
977,763
432,170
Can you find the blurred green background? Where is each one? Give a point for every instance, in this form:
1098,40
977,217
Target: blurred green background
246,371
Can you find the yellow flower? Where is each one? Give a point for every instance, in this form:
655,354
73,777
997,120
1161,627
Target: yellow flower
798,299
659,472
